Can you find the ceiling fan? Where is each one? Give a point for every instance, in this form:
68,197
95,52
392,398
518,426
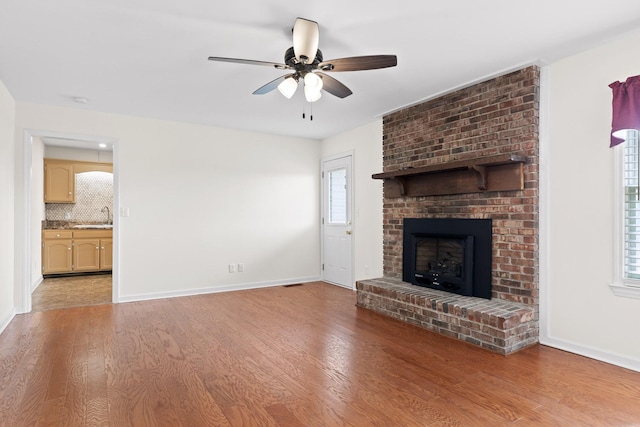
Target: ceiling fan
306,64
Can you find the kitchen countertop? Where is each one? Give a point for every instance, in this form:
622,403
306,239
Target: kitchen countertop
70,225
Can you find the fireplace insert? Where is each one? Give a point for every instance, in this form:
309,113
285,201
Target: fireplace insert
449,254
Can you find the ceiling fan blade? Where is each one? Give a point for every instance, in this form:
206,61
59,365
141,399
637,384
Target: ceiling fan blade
249,62
306,37
271,85
357,63
333,86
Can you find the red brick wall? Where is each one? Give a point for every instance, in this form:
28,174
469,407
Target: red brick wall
498,116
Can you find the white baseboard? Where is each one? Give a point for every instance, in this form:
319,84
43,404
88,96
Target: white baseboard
4,321
215,289
593,353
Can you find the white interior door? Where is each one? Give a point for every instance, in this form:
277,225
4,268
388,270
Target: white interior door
336,221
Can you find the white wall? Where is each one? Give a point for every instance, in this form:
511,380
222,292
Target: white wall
365,143
201,198
582,314
7,158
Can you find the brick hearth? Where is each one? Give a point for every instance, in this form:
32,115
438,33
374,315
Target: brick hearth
497,325
499,116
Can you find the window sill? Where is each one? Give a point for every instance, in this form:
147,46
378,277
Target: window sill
625,291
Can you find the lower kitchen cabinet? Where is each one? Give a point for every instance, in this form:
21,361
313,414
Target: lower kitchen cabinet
76,251
106,254
57,252
86,254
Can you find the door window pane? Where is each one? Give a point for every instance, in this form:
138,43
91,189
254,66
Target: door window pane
338,196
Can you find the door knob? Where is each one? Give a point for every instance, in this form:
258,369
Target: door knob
348,231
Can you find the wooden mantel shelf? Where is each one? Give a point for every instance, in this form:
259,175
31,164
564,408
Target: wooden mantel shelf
491,173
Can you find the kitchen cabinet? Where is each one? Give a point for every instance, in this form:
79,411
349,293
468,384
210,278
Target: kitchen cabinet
86,251
60,179
106,254
56,252
86,254
59,182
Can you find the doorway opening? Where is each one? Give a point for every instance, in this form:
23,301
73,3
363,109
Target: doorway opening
42,290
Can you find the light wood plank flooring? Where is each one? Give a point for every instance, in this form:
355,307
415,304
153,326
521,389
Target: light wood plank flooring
286,356
72,291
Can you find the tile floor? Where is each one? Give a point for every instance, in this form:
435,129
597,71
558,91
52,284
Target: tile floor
64,292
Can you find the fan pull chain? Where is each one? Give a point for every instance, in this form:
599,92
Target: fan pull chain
304,115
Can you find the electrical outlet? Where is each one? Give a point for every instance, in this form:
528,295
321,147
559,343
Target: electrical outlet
232,268
240,268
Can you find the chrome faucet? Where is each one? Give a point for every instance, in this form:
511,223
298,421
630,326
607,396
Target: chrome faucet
106,209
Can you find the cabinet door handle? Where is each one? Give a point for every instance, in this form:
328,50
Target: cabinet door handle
69,192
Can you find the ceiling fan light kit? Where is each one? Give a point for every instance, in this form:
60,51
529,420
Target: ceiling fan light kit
288,87
311,94
306,62
312,87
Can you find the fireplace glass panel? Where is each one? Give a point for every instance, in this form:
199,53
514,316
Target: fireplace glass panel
441,256
444,262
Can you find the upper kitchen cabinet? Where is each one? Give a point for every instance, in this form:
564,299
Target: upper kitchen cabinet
59,178
59,182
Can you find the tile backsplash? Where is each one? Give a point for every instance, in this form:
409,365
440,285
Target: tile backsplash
94,191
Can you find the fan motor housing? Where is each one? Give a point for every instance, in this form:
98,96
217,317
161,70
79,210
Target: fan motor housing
290,60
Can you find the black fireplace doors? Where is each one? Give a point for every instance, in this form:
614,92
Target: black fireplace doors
449,254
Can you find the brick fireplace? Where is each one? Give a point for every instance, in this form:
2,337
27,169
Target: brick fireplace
496,119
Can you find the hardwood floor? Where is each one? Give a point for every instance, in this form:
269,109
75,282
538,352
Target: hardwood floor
72,291
286,356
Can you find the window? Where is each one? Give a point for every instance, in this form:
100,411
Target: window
631,208
627,233
337,196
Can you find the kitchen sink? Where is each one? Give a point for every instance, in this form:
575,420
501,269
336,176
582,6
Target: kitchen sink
93,226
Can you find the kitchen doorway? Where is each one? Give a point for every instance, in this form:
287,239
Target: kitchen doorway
38,291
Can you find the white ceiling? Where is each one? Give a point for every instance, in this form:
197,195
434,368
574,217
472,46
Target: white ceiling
149,57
